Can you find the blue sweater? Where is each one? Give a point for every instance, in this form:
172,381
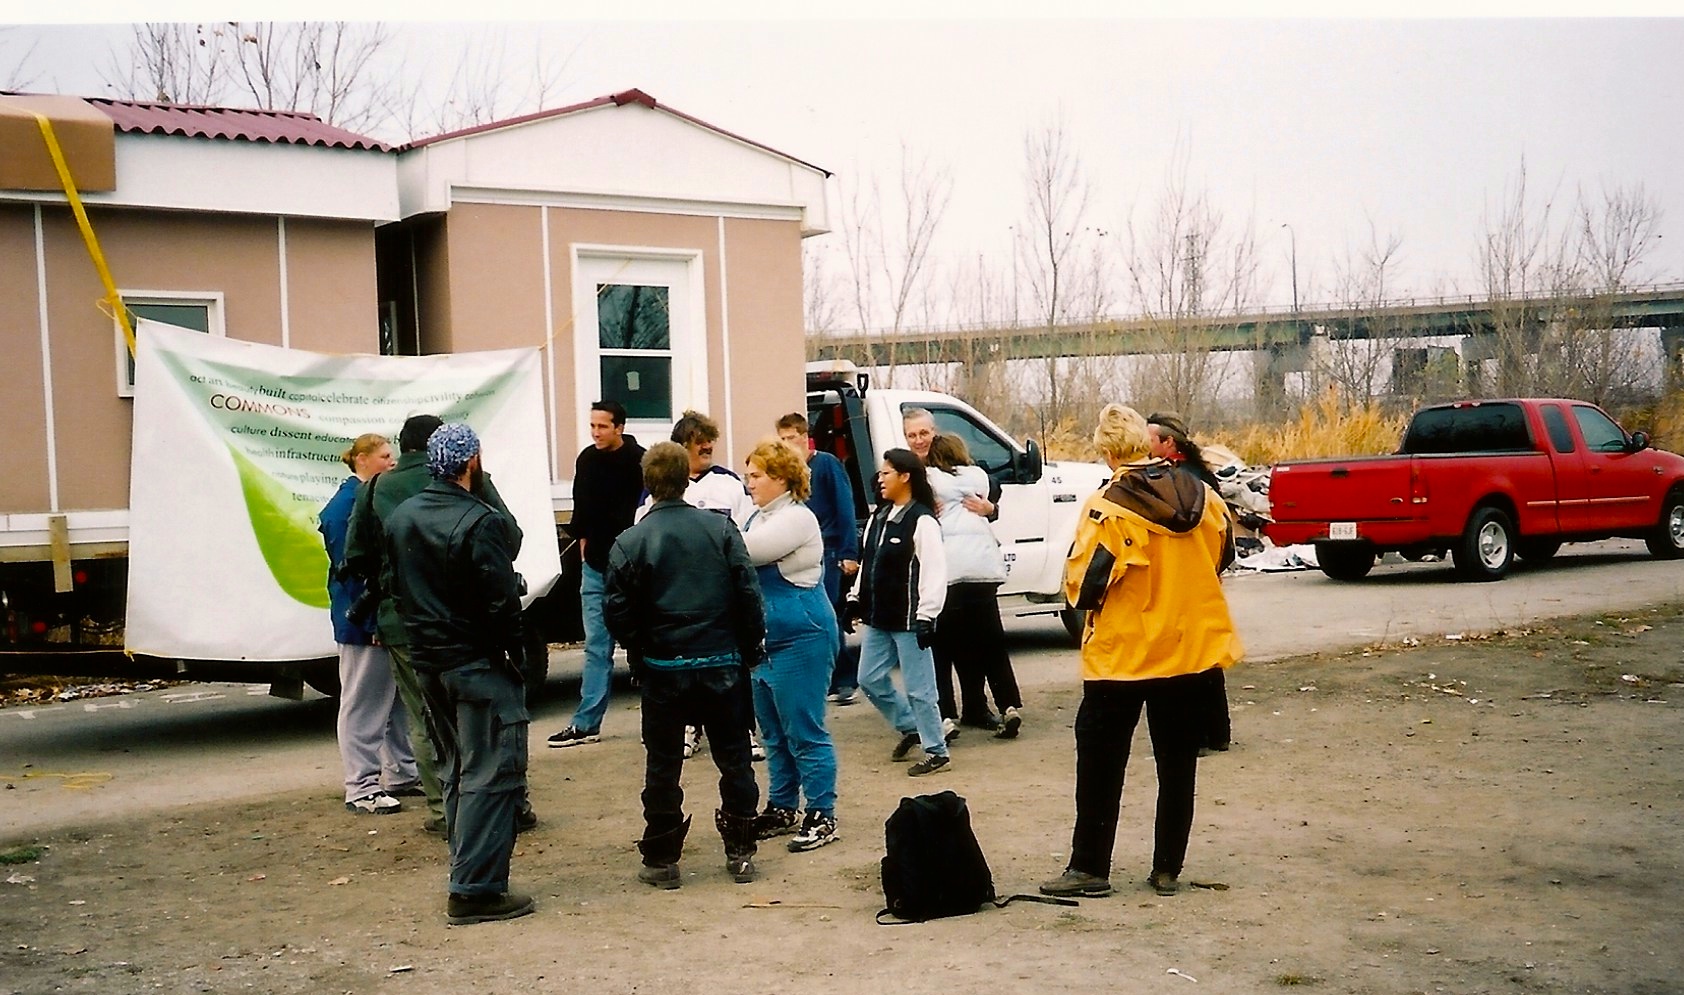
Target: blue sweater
334,521
832,503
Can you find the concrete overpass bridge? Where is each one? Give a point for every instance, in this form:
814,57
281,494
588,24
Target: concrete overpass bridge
1280,333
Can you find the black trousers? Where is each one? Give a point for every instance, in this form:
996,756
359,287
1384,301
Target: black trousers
1105,725
1218,729
718,700
971,641
476,718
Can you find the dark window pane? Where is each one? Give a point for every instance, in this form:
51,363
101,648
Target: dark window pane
987,450
642,383
1600,432
1556,422
1484,428
193,317
630,317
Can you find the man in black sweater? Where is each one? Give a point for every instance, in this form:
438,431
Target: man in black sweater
607,485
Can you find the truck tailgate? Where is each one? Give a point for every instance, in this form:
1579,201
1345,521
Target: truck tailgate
1367,488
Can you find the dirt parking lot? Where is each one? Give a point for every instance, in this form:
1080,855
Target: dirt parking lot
1466,815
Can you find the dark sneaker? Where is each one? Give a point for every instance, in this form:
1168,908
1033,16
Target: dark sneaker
774,821
933,763
816,831
949,730
741,868
411,790
987,720
465,910
663,876
1163,882
1076,884
847,697
903,749
379,803
525,820
574,736
1010,723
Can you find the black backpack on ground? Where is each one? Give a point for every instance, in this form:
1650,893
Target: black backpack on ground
934,867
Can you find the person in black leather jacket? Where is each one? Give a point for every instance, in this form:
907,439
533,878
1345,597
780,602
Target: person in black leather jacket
453,576
682,597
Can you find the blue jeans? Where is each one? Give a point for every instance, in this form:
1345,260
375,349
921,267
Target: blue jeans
880,652
789,690
599,653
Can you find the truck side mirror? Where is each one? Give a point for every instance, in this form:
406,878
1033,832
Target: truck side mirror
1639,442
1027,466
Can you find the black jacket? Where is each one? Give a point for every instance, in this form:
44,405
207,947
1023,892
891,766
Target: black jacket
607,487
680,584
454,579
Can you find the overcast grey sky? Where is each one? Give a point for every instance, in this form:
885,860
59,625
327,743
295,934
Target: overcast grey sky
1415,125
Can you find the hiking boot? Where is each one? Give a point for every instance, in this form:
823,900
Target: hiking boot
775,821
903,749
742,869
816,831
1076,884
756,752
949,730
662,876
933,763
1164,882
434,826
465,910
379,803
692,741
737,833
1010,723
574,736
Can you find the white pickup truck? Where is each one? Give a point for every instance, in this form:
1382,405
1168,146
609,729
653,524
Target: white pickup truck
1039,501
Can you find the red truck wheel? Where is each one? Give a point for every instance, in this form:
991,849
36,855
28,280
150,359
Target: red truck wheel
1666,541
1486,549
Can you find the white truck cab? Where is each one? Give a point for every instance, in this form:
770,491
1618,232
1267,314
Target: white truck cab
1039,501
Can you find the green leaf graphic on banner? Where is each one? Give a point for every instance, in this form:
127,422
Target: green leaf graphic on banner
288,540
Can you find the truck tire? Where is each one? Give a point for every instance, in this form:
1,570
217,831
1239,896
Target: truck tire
1666,542
1537,550
323,675
1345,561
1075,620
1486,550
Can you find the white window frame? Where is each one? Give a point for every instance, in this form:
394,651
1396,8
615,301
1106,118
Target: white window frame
687,342
212,299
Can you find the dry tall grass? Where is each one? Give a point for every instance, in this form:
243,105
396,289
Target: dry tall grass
1330,426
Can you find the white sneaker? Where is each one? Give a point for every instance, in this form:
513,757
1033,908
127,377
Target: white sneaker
756,752
949,730
692,741
379,803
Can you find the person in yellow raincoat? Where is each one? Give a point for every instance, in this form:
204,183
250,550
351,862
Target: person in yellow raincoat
1144,566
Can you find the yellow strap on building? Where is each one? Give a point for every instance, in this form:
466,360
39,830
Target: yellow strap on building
112,297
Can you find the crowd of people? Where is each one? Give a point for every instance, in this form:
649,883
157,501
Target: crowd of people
731,598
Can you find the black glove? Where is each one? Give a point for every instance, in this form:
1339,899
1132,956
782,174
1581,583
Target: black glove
639,669
851,613
364,607
926,630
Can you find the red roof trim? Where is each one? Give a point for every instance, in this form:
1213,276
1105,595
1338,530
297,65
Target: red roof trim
624,97
231,123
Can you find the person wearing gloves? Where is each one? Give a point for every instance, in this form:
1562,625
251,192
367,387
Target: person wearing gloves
786,547
969,636
1144,566
902,588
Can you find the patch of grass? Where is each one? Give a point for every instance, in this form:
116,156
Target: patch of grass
1331,426
22,854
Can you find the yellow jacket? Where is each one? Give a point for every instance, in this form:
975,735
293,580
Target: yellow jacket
1148,550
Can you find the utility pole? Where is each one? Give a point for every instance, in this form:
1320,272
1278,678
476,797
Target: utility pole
1293,235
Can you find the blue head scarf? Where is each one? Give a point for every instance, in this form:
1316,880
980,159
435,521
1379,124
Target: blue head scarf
449,450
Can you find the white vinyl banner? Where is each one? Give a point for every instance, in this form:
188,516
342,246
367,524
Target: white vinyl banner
236,450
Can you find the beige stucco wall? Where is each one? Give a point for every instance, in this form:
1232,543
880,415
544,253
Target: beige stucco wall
331,275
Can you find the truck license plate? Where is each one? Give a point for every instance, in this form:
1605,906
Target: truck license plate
1342,530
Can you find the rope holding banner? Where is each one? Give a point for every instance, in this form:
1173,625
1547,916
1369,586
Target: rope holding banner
111,296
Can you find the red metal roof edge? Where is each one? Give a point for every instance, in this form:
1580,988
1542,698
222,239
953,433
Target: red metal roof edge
287,127
624,97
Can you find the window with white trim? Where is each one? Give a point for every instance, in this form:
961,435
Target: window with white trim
634,348
197,311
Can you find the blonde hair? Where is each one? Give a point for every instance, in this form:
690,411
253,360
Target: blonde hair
781,462
1122,433
362,445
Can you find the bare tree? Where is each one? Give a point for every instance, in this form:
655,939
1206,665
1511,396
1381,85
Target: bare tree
1186,265
482,86
15,71
173,64
1352,362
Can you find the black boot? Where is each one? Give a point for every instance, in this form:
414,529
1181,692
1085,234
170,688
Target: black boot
738,832
660,856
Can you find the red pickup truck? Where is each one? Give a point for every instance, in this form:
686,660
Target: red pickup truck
1486,481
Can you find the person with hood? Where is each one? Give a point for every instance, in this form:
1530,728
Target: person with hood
1145,563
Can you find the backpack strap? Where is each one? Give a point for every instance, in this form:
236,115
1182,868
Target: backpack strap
1001,903
892,920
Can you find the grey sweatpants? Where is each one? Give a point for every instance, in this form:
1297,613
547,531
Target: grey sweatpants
373,725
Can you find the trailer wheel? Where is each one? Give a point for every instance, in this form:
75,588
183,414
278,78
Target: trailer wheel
1075,620
1486,550
1345,561
1666,540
